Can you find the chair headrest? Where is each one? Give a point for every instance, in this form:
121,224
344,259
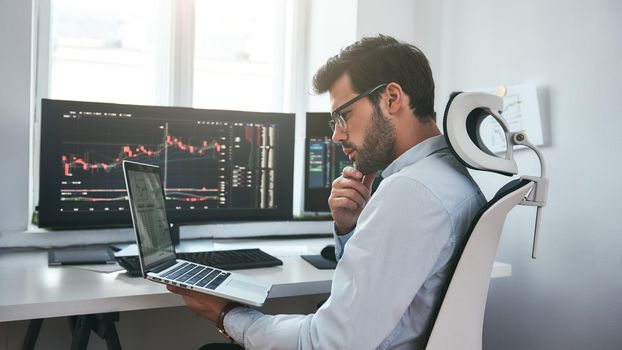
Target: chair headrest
464,115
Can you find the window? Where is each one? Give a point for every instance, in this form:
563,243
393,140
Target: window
239,55
108,50
200,53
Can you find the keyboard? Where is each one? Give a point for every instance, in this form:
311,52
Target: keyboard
191,274
236,259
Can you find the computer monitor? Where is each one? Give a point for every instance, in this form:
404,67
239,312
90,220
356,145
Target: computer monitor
324,161
216,165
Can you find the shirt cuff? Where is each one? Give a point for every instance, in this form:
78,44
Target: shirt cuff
340,242
237,321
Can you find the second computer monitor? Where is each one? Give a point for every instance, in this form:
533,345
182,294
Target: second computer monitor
324,162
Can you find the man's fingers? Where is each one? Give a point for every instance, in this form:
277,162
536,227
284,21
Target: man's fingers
343,203
182,291
343,183
351,172
172,289
349,194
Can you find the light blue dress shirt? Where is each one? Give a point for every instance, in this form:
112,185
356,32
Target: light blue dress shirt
392,266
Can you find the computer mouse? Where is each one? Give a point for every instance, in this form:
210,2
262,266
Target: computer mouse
328,252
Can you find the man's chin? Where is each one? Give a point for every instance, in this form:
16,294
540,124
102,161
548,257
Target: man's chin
355,165
363,170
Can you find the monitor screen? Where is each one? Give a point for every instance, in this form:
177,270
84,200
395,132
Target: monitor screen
324,161
216,165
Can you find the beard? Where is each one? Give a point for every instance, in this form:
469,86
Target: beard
378,146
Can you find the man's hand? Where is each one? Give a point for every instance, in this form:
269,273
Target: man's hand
204,305
348,197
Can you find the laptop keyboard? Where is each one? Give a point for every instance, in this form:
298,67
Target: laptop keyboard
222,259
196,275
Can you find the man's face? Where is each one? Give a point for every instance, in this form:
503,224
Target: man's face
369,140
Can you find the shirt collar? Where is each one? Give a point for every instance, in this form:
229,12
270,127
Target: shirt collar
415,154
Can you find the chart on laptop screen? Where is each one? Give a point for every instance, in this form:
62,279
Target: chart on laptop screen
209,160
150,216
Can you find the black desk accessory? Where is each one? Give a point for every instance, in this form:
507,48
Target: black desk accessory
329,252
327,259
80,256
320,262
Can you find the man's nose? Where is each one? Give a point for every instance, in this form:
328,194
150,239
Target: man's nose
339,135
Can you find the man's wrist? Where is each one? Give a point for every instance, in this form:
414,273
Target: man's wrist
220,321
342,232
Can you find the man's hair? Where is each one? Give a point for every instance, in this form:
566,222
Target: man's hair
372,61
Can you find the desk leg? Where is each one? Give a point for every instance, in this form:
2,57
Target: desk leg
101,324
104,327
81,332
31,334
81,326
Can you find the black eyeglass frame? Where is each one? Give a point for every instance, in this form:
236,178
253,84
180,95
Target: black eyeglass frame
339,121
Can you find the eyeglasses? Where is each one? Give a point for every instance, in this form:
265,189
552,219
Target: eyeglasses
337,120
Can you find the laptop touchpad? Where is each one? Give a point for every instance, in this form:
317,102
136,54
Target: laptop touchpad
246,286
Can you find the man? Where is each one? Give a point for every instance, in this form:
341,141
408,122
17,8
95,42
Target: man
395,249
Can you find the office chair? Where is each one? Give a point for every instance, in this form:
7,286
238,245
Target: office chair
460,318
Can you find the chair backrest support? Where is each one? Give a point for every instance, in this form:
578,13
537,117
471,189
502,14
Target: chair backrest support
459,322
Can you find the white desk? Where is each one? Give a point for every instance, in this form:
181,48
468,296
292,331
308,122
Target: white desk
32,290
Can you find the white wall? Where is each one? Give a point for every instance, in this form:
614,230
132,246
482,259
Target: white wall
571,296
332,26
15,112
390,17
336,24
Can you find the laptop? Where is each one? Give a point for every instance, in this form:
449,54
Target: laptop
156,252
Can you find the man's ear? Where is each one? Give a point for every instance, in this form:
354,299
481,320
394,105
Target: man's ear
395,97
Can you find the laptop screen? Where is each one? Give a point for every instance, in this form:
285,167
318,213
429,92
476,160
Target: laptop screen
149,213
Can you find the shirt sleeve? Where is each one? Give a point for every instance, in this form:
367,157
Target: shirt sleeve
340,242
391,253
